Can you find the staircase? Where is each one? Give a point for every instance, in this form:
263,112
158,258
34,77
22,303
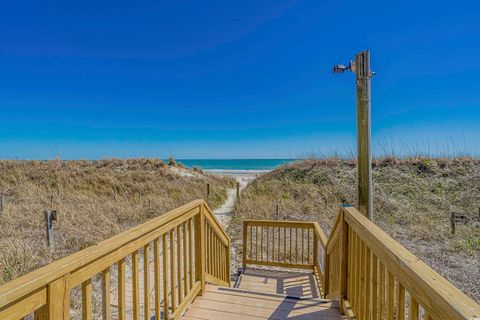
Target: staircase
177,266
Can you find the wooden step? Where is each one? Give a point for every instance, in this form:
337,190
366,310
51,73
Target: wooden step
241,304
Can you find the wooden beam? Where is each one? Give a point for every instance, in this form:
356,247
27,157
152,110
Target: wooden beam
364,164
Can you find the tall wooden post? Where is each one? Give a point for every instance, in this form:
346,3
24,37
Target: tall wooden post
364,163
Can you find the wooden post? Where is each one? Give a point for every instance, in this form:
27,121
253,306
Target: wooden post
238,190
452,223
1,204
58,300
364,164
208,192
278,213
50,216
244,249
199,222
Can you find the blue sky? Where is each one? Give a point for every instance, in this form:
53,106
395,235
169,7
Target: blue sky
244,79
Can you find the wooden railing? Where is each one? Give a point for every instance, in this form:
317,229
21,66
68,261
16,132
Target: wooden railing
179,251
377,278
289,244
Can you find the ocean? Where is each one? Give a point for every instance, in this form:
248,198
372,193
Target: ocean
234,164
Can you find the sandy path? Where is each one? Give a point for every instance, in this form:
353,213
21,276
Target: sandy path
224,213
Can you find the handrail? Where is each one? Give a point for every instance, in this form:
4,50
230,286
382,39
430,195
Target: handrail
187,230
371,273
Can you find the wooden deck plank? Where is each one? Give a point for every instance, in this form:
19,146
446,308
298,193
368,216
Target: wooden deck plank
265,294
297,284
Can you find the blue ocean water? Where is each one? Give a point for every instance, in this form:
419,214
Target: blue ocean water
234,164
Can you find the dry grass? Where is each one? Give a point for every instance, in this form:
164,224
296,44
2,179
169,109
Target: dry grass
413,202
95,199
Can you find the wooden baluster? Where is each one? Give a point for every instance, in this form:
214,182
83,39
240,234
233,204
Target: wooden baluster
284,245
207,248
136,303
382,292
296,245
308,246
156,268
179,264
185,262
302,245
215,256
268,243
291,239
390,296
261,243
256,243
121,290
374,289
200,250
413,309
368,268
355,267
227,257
219,258
190,253
350,268
106,294
400,301
165,276
87,300
361,278
224,264
251,243
212,251
278,244
172,270
146,281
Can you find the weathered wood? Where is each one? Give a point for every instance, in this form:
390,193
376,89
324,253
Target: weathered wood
364,163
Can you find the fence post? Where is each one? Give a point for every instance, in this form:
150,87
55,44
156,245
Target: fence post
452,222
238,190
343,259
244,250
208,192
278,213
50,216
1,204
199,222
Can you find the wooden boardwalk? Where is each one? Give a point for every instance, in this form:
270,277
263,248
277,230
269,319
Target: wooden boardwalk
265,294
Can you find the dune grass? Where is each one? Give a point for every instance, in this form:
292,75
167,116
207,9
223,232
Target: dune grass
95,200
413,201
